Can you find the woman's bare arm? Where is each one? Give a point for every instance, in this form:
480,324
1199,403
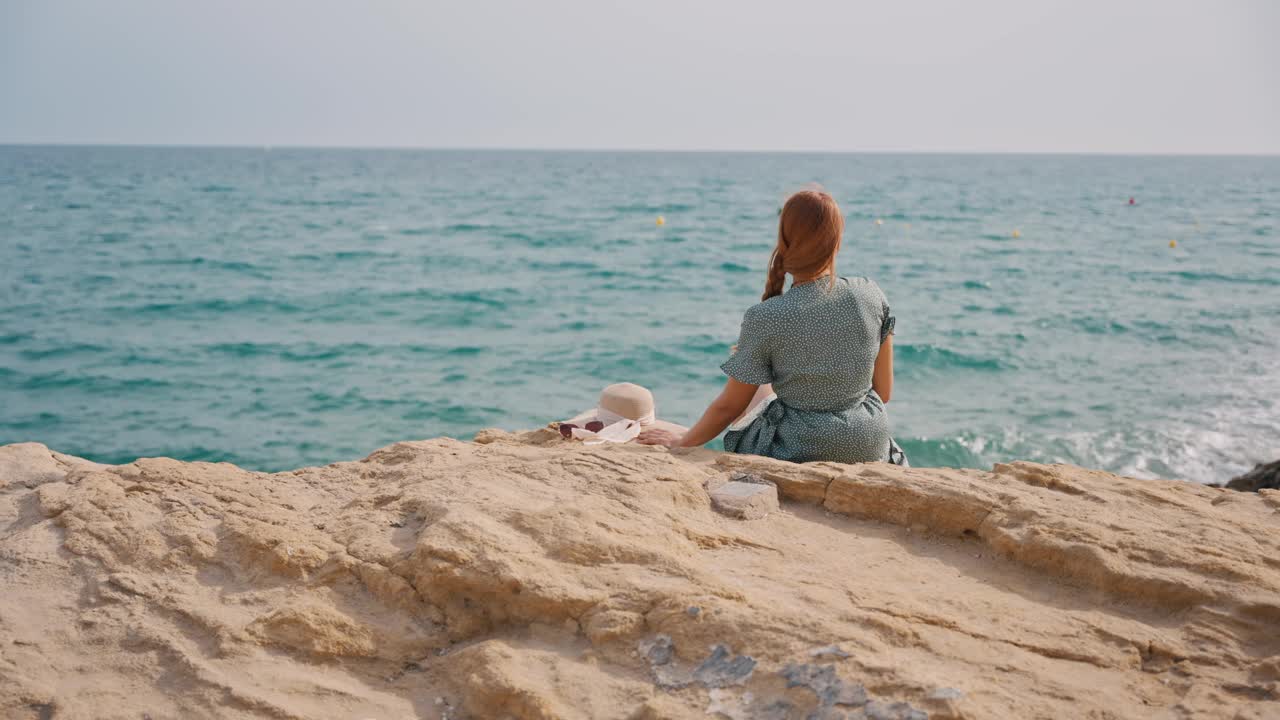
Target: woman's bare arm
727,407
882,375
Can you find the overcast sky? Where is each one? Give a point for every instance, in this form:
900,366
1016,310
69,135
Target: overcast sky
1159,76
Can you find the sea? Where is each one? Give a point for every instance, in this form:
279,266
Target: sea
282,307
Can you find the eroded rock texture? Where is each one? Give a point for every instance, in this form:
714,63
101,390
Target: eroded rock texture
525,576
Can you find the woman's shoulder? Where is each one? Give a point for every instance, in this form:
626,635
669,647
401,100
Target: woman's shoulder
767,316
764,310
861,285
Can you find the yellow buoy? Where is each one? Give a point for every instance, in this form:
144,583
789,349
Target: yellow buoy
879,221
1173,243
660,221
1017,233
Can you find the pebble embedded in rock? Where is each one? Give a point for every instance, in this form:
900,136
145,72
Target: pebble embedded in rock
659,650
876,710
746,477
823,681
722,669
946,694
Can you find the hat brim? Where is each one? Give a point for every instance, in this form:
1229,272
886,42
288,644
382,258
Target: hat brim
664,425
586,416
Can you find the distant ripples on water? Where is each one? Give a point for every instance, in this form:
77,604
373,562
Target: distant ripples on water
282,308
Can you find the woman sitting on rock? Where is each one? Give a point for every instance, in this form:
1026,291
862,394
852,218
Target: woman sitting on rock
813,366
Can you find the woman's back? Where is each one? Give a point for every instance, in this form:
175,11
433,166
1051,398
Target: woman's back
821,347
825,338
817,344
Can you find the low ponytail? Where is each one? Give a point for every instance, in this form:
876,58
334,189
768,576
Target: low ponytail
777,270
809,230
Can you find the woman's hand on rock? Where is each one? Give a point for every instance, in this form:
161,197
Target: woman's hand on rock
659,436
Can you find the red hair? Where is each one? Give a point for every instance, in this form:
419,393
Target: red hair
809,231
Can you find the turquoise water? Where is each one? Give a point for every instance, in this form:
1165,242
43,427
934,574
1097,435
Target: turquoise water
289,307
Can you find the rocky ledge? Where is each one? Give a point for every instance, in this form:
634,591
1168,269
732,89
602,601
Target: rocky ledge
526,576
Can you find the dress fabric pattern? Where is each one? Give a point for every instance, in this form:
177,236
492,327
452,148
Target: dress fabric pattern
817,344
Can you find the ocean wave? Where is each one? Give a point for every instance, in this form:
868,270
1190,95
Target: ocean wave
60,351
361,254
909,357
311,203
201,263
406,408
657,208
1270,279
942,452
300,352
707,346
177,451
217,306
474,297
1208,454
539,266
95,384
14,338
580,326
341,255
1099,326
558,240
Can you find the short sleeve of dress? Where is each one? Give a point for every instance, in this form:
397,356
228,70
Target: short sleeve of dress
887,321
751,364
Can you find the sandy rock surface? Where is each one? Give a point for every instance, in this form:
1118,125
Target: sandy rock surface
525,576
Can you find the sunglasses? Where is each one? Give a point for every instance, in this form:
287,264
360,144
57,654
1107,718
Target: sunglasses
566,429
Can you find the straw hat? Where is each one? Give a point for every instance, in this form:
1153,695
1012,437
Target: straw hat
625,403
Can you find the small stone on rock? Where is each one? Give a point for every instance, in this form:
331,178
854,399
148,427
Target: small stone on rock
747,501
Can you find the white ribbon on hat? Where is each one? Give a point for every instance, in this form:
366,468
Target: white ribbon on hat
609,418
624,430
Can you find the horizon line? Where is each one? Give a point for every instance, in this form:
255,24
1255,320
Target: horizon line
637,150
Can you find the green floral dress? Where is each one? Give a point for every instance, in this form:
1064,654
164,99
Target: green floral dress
817,343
